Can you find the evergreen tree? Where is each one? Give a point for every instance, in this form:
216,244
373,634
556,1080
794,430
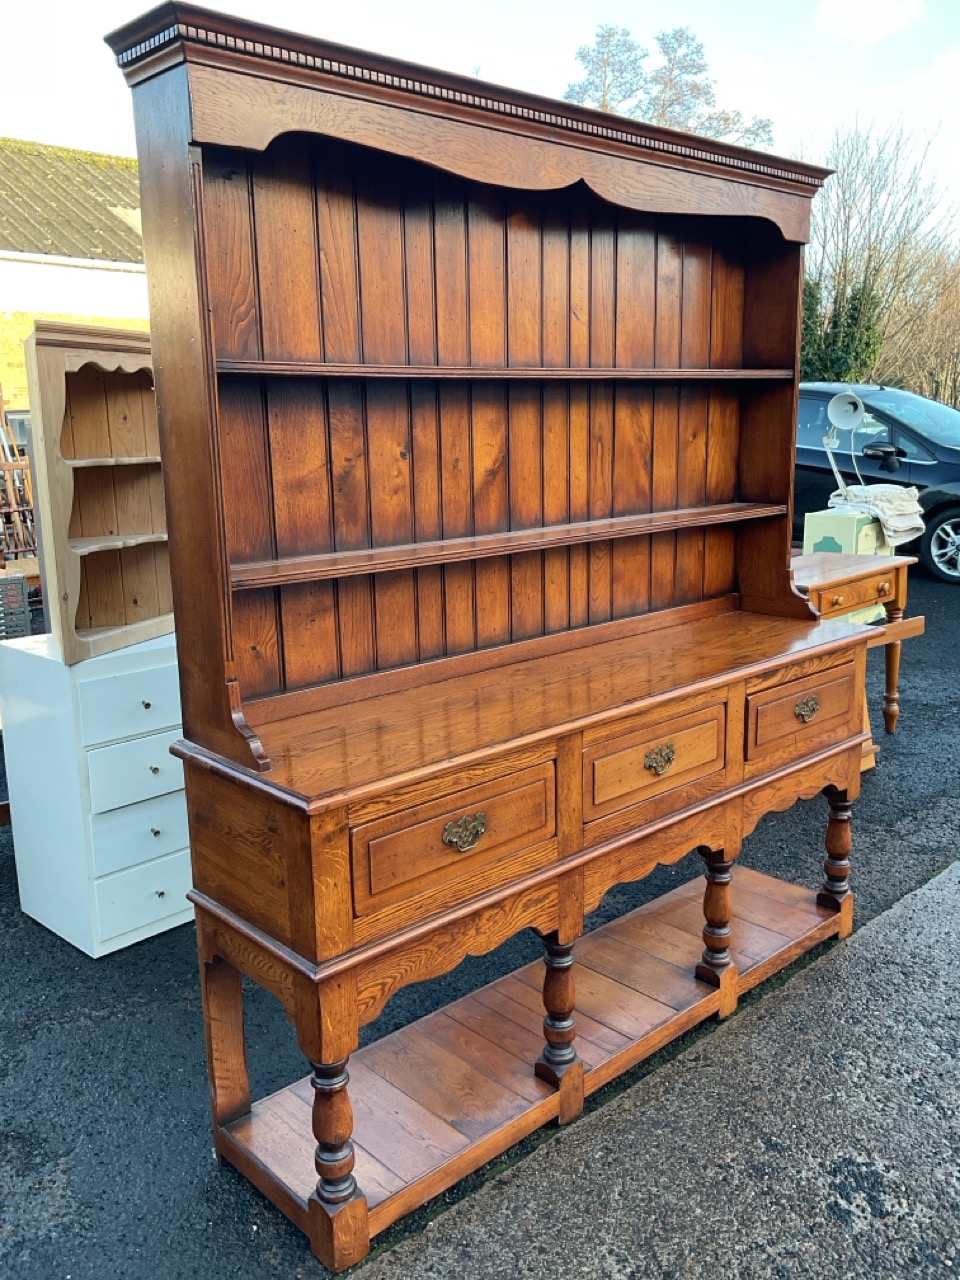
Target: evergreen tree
842,342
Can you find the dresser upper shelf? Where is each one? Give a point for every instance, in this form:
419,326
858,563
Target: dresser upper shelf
321,369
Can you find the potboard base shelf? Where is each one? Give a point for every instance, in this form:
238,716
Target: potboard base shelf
437,1099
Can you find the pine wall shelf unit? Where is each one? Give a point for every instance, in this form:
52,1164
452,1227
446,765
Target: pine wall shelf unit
478,417
96,460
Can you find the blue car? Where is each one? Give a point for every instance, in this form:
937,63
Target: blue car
903,439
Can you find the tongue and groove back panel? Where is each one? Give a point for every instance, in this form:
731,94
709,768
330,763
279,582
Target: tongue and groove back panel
317,257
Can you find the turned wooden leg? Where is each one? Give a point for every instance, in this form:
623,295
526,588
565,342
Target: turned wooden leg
222,990
339,1233
716,965
835,893
891,694
559,1063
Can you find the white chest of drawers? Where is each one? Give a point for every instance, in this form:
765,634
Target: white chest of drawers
96,799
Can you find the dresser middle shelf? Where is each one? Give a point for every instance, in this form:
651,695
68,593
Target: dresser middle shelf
341,564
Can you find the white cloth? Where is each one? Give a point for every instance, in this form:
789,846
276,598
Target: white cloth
895,506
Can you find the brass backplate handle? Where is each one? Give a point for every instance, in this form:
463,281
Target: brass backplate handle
463,835
807,708
660,758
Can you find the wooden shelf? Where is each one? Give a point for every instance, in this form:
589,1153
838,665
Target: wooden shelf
461,1080
113,462
113,542
163,624
265,573
320,369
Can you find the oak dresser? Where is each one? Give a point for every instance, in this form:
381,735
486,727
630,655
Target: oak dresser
477,413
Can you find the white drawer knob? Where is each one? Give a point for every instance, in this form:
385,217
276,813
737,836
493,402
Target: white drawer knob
154,831
154,768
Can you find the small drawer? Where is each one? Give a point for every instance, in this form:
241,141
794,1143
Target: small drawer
130,704
138,832
130,771
142,895
804,715
653,758
407,853
877,589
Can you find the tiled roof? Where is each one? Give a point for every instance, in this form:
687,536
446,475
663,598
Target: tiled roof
75,204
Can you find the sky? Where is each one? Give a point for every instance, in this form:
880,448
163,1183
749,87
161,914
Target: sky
809,65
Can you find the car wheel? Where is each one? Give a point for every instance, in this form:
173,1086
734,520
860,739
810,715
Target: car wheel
940,548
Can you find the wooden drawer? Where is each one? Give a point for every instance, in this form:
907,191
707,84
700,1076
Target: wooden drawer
803,716
877,589
127,705
141,896
654,758
407,853
138,832
132,771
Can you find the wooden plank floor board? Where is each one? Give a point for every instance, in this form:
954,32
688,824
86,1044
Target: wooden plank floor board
522,1040
590,1050
457,1091
435,1100
641,970
751,939
618,1006
499,1064
770,914
679,946
524,987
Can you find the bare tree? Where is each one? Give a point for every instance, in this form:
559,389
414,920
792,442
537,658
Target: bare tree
925,356
677,93
880,227
615,72
680,94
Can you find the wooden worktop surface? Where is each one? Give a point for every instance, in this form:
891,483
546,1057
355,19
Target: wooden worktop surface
371,745
820,569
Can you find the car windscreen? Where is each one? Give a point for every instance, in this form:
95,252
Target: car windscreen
938,422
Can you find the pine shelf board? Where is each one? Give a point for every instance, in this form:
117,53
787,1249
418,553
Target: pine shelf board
499,373
152,459
438,1099
341,564
113,542
161,620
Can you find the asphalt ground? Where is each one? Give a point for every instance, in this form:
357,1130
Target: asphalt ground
106,1164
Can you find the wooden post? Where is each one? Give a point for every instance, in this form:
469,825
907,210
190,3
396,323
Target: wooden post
559,1063
222,991
339,1231
716,965
835,893
891,693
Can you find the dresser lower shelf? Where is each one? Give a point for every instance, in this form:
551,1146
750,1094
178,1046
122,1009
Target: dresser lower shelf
439,1098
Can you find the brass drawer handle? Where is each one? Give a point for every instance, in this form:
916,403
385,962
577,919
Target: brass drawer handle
463,835
807,708
660,758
